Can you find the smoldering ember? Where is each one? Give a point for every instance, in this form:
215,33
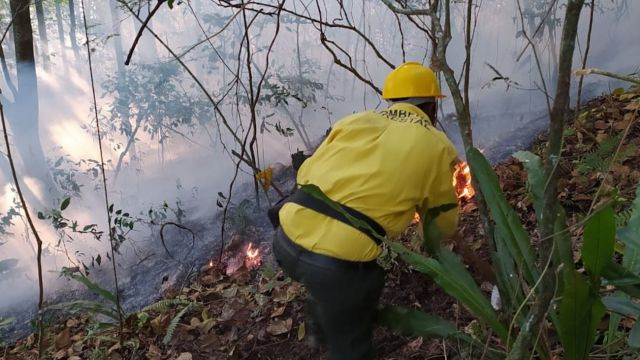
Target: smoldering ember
375,179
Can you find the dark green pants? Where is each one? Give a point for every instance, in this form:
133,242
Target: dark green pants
343,296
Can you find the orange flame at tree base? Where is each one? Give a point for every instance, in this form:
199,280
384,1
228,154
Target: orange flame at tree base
462,181
253,258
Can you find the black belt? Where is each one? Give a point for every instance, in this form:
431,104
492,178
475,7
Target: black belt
328,262
309,201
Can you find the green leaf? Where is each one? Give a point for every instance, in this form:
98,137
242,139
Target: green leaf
623,278
452,276
599,241
620,305
580,313
416,323
86,306
8,264
535,178
93,287
634,336
65,203
508,226
431,232
7,321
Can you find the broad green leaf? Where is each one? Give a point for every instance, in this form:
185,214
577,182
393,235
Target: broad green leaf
536,180
432,235
7,321
506,278
8,264
508,226
620,305
625,280
86,306
563,252
93,287
599,241
65,203
630,235
580,313
416,323
451,275
411,322
634,336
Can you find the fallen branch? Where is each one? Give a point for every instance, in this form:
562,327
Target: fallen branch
584,72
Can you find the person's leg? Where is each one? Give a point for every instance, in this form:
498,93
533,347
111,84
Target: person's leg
346,303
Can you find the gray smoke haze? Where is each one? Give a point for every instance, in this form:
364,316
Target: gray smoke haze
179,155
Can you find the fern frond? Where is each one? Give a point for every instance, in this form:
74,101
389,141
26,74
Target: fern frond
623,217
174,324
164,305
600,158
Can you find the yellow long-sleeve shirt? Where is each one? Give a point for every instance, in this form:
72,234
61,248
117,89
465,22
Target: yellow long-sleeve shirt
385,164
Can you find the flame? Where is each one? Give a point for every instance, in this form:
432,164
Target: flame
416,218
462,181
210,263
253,258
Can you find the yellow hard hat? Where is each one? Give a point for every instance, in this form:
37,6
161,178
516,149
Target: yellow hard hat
411,80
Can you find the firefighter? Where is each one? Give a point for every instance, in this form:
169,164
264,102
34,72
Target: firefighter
381,167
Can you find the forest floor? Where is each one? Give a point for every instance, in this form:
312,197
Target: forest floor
258,313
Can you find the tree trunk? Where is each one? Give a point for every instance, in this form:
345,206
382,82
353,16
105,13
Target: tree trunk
23,113
42,32
72,28
60,26
523,343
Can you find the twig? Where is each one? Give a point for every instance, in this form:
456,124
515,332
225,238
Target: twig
104,179
535,33
179,226
207,38
586,55
33,229
142,27
256,170
534,49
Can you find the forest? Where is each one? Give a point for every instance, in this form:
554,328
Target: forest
144,141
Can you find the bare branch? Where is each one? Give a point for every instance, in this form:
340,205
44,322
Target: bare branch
405,11
144,26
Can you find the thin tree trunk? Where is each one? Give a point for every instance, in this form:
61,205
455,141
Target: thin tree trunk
25,125
72,28
559,110
60,26
42,32
23,113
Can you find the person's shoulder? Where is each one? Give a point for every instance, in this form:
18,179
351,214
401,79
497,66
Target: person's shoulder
356,116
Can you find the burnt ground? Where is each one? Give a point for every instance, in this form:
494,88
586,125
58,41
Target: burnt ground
257,314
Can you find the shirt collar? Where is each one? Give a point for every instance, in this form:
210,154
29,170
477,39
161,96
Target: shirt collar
410,108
